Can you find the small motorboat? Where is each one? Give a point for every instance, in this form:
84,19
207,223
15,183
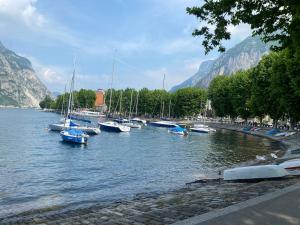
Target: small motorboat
178,130
138,120
132,125
293,164
255,173
112,126
127,123
162,123
200,125
202,129
74,136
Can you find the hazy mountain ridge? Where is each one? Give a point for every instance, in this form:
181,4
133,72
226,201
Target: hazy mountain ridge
243,56
19,84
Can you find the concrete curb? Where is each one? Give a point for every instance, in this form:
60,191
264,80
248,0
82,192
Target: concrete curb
196,220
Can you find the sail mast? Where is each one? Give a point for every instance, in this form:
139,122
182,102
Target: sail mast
130,104
120,110
111,84
163,103
137,102
170,108
63,102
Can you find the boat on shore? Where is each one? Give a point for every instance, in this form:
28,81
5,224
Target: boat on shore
112,126
162,123
255,173
293,164
74,136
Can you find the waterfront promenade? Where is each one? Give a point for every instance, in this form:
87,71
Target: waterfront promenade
177,206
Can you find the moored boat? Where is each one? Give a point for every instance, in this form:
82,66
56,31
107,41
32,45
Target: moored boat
202,129
138,120
74,136
65,126
113,127
178,130
255,173
168,124
127,123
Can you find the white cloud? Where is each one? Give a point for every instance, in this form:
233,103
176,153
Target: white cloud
23,10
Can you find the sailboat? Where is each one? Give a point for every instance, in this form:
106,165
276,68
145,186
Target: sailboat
130,123
137,119
72,134
164,122
67,123
112,126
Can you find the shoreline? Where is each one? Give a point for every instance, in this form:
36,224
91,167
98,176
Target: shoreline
163,208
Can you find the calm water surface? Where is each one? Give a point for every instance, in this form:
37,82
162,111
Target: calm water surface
38,170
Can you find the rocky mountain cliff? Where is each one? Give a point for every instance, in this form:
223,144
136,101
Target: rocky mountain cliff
242,56
19,85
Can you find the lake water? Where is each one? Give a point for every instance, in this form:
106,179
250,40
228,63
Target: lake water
38,170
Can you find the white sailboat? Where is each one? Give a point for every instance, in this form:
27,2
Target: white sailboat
68,123
137,119
112,126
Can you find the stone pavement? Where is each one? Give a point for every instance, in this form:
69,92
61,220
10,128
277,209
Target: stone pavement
278,208
160,209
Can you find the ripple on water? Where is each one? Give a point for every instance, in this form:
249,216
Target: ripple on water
39,170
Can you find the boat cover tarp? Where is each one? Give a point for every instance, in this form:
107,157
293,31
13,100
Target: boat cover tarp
73,124
75,132
178,129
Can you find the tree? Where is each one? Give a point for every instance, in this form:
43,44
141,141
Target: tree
189,101
85,98
219,94
239,93
274,20
46,102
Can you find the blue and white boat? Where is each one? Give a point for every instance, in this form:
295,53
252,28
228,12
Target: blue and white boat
178,130
111,126
162,123
200,128
74,136
127,123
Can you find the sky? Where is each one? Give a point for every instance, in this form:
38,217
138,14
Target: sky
149,38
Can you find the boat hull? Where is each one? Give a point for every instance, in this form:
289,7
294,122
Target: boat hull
88,130
73,139
113,128
255,173
160,124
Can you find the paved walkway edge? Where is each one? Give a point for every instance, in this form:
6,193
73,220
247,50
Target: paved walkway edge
221,212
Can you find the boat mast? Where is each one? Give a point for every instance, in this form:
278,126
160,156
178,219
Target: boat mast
112,79
70,95
63,102
163,103
130,104
137,102
170,108
120,110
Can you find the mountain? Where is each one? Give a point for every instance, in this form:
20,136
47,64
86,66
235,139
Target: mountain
19,84
243,56
203,71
